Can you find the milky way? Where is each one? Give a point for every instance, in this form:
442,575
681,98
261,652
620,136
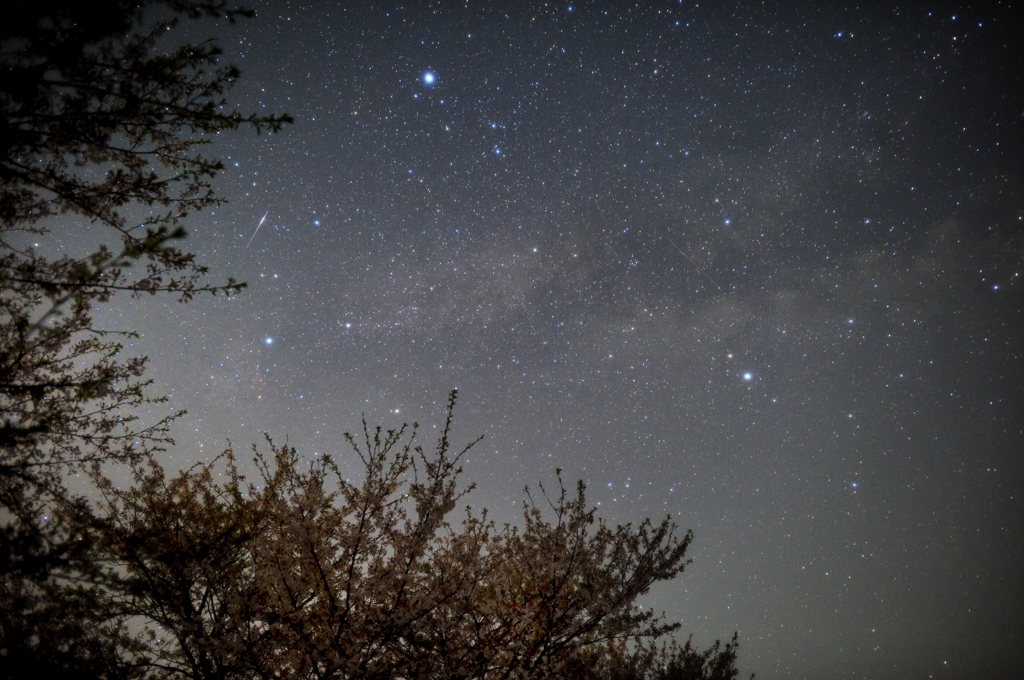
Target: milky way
759,269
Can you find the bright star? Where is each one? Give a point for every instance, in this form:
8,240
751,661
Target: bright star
269,341
428,78
748,376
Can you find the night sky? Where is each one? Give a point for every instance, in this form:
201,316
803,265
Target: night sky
757,267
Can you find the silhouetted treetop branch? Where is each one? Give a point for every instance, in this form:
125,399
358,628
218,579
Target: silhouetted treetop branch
95,119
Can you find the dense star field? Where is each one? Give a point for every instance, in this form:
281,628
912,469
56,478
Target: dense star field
759,268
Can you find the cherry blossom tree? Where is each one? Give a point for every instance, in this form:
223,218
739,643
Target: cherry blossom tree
305,574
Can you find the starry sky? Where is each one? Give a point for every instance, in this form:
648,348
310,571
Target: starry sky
757,266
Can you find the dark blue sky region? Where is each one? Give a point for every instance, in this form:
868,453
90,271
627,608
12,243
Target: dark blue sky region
758,267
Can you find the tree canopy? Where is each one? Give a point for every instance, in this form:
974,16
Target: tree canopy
99,124
96,123
304,574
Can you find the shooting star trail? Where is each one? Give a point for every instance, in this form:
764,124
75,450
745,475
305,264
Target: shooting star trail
690,259
257,228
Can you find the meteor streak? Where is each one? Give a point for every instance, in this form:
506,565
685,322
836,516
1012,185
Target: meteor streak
683,253
257,228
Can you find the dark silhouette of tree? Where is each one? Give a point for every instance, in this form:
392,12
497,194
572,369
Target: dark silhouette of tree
95,122
99,125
